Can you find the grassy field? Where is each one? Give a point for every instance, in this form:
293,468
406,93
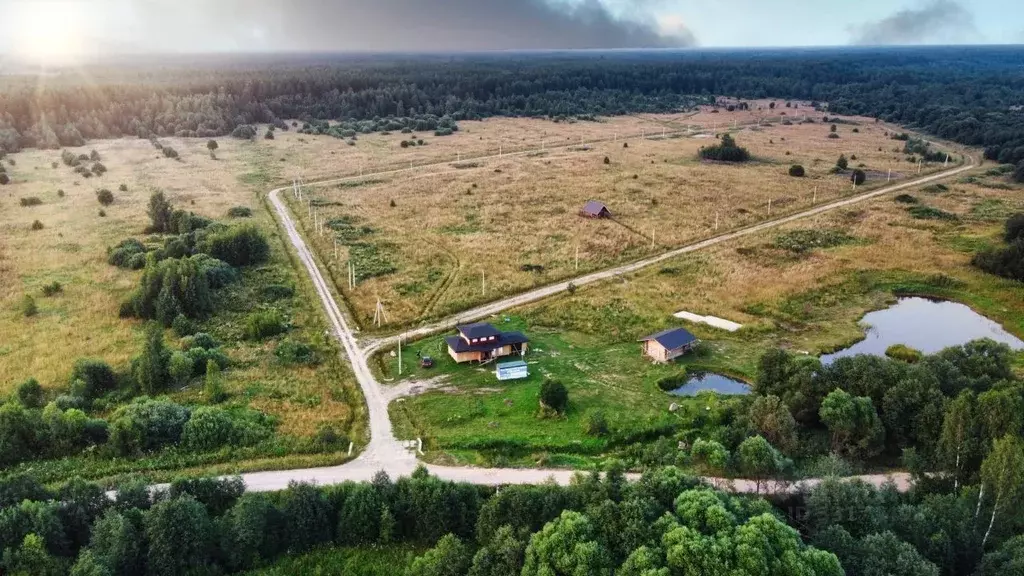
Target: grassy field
82,321
808,300
435,241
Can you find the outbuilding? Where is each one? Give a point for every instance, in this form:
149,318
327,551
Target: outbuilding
516,370
595,209
668,345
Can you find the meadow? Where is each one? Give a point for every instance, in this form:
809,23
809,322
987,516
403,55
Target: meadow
786,291
433,241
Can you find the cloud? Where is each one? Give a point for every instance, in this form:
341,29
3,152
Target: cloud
938,21
396,25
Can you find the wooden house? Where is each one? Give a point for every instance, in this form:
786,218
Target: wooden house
482,342
668,345
595,209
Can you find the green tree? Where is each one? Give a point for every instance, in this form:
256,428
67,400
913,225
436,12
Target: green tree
554,396
566,545
1001,411
212,146
207,429
253,532
151,366
644,561
1003,473
858,176
1007,560
88,565
504,554
958,443
773,420
853,423
180,368
160,212
759,460
710,456
307,517
842,163
180,536
31,559
214,383
884,554
30,394
117,543
449,557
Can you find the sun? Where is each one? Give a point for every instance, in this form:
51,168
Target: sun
47,30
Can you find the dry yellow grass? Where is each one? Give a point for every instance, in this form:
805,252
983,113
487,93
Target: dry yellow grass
71,249
460,233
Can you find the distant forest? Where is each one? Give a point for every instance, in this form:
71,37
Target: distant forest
972,95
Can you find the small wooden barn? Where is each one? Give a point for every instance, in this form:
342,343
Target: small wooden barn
595,209
668,345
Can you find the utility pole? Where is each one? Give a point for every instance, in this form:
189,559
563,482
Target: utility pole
577,257
814,200
769,207
483,283
335,248
716,221
946,163
652,238
379,315
399,354
889,177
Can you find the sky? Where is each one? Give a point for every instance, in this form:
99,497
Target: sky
64,28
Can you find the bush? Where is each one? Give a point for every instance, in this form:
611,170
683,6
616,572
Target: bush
842,163
122,254
92,378
1014,228
170,152
28,306
240,212
1005,262
37,225
242,132
102,213
858,177
554,396
146,425
801,241
833,136
930,213
597,424
725,151
30,394
4,179
31,201
99,169
105,197
903,353
52,289
239,246
796,171
265,324
60,193
274,292
292,352
183,326
200,340
123,187
905,199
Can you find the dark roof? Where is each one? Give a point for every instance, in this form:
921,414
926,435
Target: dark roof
594,208
478,330
459,345
672,338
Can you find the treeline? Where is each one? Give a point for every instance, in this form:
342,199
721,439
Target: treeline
970,95
663,524
1006,261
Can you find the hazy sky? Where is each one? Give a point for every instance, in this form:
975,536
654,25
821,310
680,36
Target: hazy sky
60,27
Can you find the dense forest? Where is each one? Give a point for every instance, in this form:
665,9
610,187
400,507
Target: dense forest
664,524
970,95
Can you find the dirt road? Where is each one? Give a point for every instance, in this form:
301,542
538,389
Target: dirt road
385,452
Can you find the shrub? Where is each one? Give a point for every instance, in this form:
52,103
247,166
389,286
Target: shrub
183,326
105,197
833,135
60,193
260,325
146,425
102,213
239,246
797,171
858,177
905,199
92,378
597,424
170,152
801,241
842,163
240,212
725,151
37,225
4,179
52,289
99,169
31,201
930,213
269,135
28,306
122,254
554,396
670,383
30,394
1014,227
292,352
903,353
242,132
123,187
404,144
274,292
1006,262
607,160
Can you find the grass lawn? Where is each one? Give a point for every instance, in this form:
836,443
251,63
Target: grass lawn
806,300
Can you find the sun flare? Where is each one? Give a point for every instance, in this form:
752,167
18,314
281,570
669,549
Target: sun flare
47,31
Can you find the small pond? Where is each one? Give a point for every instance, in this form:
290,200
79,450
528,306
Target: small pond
701,381
925,325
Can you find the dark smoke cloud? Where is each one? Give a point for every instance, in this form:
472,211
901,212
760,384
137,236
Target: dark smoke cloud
937,21
397,25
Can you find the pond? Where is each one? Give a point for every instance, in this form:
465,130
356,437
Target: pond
701,381
925,325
